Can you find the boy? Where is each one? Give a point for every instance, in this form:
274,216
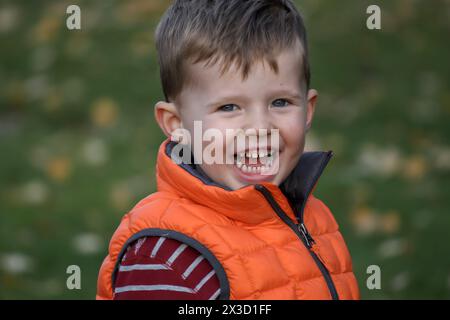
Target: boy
246,226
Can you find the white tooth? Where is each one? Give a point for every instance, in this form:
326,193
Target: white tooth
258,170
255,155
247,154
244,168
254,169
242,154
262,170
239,165
262,154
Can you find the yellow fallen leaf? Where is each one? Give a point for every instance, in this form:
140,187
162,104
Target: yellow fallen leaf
415,167
59,168
390,222
120,196
46,29
104,112
365,220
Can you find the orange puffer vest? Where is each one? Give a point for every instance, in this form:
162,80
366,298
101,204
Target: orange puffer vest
264,241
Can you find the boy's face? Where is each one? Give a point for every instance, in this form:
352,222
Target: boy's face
264,100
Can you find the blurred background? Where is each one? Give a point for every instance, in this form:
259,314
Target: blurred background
78,140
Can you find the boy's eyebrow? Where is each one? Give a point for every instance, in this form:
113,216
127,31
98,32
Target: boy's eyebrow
286,93
224,99
281,93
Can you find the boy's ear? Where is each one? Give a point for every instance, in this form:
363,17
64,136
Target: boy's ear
311,107
167,117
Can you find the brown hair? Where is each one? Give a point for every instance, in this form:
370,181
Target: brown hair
232,31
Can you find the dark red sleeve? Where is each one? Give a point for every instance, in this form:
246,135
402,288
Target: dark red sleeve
158,268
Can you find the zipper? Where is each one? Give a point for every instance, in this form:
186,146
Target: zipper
302,232
306,235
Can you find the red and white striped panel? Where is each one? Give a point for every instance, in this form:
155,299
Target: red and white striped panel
159,268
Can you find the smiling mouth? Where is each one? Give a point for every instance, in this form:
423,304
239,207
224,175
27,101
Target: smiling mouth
255,162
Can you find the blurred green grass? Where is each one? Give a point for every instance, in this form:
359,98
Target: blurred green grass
79,141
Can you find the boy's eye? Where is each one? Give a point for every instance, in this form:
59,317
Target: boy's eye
280,103
228,107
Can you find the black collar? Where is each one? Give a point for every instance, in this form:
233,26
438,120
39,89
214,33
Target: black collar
299,184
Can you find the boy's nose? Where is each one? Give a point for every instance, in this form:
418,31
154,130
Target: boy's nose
259,120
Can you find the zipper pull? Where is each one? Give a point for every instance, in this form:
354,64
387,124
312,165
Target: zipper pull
308,238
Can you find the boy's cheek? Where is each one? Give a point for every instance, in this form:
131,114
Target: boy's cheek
293,128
